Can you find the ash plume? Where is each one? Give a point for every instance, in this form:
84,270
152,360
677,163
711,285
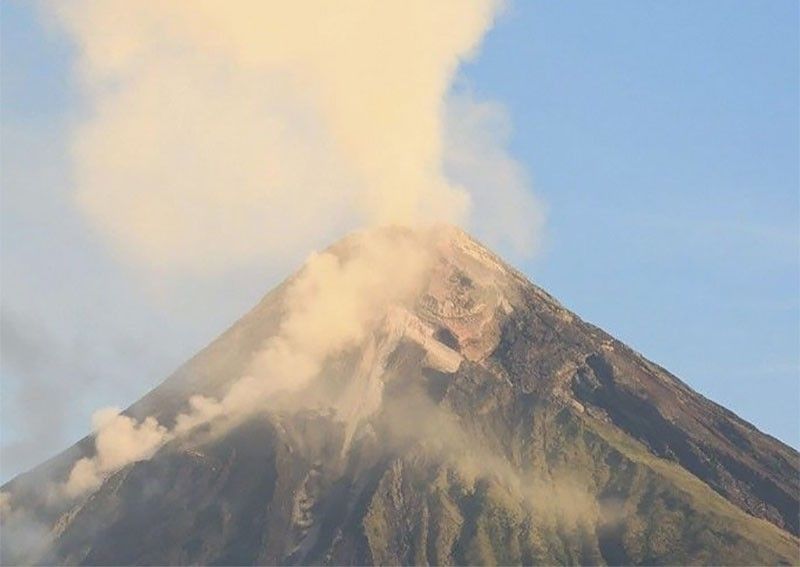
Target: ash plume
219,134
222,134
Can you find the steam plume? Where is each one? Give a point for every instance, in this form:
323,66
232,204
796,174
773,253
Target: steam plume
220,133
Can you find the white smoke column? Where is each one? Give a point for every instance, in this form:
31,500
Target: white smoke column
223,132
220,133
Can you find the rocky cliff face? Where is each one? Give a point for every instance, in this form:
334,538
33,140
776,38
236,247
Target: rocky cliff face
480,423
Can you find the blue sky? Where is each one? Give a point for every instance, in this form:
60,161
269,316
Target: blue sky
662,137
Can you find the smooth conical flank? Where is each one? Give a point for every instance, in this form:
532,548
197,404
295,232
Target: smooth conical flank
449,412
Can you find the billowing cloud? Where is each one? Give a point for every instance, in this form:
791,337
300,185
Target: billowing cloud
119,440
220,133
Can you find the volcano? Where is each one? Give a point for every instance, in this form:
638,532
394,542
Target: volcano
477,421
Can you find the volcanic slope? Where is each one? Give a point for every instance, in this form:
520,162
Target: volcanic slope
479,422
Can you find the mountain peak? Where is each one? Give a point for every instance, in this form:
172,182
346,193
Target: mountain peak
407,397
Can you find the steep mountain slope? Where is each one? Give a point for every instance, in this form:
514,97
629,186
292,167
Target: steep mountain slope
480,422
